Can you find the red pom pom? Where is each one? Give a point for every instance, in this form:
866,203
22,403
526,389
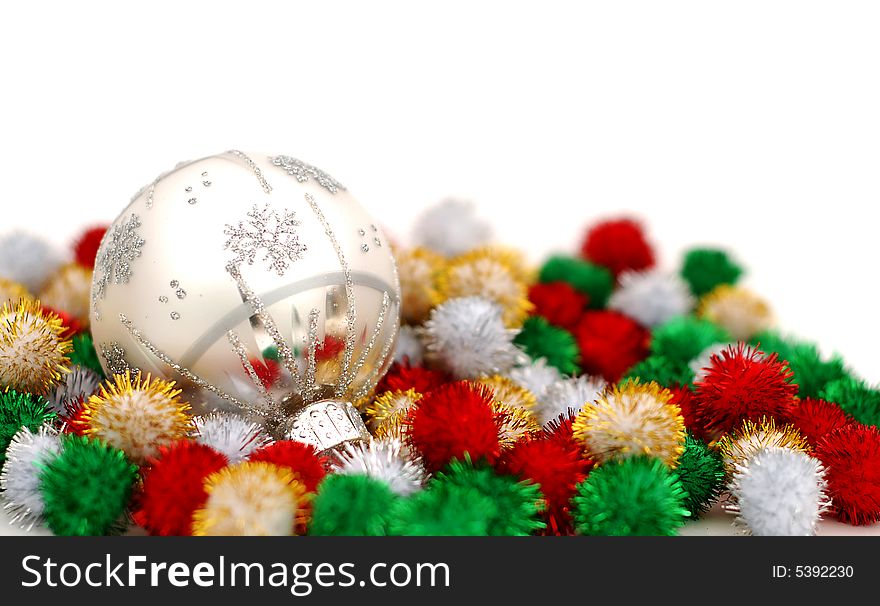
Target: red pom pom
619,245
173,487
300,458
560,428
329,348
817,418
684,398
403,376
559,303
743,383
851,456
71,325
557,466
452,420
267,370
611,343
85,248
75,422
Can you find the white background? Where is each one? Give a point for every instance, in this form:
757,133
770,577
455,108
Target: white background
752,125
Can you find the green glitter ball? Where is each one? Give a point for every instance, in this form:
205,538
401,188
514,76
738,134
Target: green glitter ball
682,339
84,353
443,510
592,280
19,410
856,398
352,506
662,371
811,372
638,496
706,268
86,488
540,339
701,473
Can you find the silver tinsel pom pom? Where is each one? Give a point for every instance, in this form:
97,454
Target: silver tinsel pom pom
536,376
409,346
27,260
20,480
383,460
467,337
568,396
779,492
78,385
230,434
451,228
652,297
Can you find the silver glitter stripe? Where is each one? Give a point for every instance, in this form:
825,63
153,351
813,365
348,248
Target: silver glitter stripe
259,309
252,373
386,350
184,372
150,193
253,166
380,322
351,315
312,353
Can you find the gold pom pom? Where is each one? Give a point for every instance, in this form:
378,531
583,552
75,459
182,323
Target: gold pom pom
393,427
33,356
632,419
251,499
490,273
68,290
138,416
417,269
752,437
12,292
514,424
509,392
388,404
742,313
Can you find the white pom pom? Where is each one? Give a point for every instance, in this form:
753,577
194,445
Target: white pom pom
20,480
383,460
409,346
568,397
27,260
536,376
779,492
467,337
703,362
230,434
652,297
451,228
78,385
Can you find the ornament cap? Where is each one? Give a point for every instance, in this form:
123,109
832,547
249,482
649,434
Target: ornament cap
326,425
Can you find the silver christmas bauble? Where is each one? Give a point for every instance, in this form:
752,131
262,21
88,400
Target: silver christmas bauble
259,284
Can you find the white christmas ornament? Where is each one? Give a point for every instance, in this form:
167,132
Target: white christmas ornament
258,283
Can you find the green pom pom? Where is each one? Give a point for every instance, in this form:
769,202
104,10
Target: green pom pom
593,280
540,339
811,372
662,371
701,473
19,410
706,268
468,500
682,339
351,506
638,496
86,487
856,398
271,353
84,353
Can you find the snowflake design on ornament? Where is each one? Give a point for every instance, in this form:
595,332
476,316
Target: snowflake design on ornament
266,230
121,246
114,355
303,172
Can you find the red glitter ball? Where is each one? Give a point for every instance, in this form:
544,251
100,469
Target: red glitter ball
817,418
268,371
402,377
300,458
619,245
611,343
560,428
559,303
684,398
173,487
743,383
85,248
557,466
452,420
851,456
329,348
71,325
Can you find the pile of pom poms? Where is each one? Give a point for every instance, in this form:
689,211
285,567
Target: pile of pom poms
596,394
